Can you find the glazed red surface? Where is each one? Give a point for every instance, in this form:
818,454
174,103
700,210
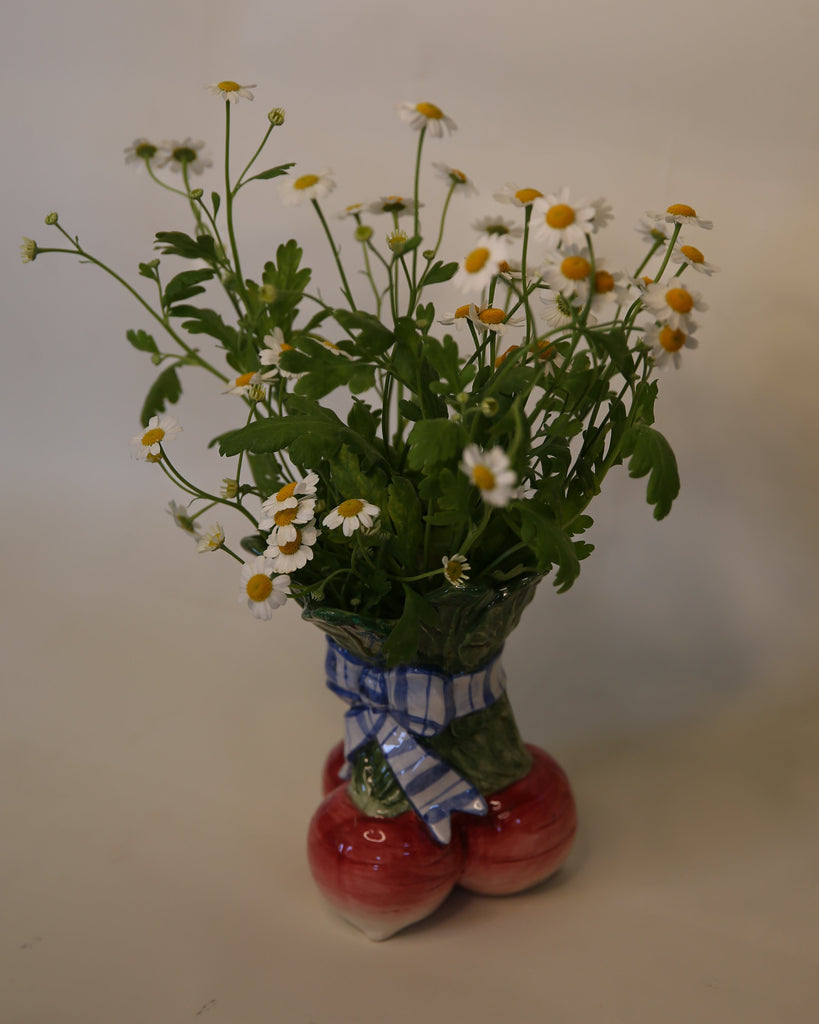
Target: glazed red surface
527,834
382,874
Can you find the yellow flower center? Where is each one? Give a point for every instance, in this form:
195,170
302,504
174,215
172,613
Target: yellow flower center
575,268
429,110
153,436
545,351
457,176
184,155
679,300
461,312
692,254
286,491
153,458
681,210
603,282
244,379
259,587
491,315
305,181
229,86
672,341
501,359
483,478
292,546
527,195
285,516
453,571
476,260
559,216
350,508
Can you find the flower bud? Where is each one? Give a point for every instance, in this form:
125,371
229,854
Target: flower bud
489,407
196,193
153,264
276,117
51,218
397,240
428,254
363,233
229,488
267,293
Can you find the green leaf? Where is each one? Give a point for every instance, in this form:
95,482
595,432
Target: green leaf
405,512
401,646
185,286
435,442
351,481
177,243
550,542
615,345
273,172
215,198
166,388
651,453
142,341
207,321
372,338
409,410
440,272
363,420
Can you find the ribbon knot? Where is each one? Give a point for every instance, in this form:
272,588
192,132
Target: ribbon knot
393,706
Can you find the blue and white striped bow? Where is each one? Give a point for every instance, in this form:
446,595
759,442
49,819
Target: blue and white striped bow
389,705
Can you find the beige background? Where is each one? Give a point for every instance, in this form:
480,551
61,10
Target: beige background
159,749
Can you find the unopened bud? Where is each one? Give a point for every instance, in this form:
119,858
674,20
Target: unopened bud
51,218
196,193
229,488
397,240
276,117
428,254
363,233
267,293
489,407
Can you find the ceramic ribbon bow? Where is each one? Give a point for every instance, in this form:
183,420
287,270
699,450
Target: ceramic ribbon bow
390,705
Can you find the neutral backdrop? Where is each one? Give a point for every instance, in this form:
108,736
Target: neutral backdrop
159,749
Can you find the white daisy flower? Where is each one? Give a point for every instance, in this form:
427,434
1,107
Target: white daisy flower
285,518
286,496
690,256
480,265
262,593
426,115
212,539
603,214
139,151
28,250
399,206
177,155
679,213
231,91
510,193
491,318
250,385
289,555
452,176
558,311
159,431
668,342
651,232
498,226
294,191
571,276
459,316
350,515
456,569
672,303
353,210
491,472
183,520
270,355
558,222
609,288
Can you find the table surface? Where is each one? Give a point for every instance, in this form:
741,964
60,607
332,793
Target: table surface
160,754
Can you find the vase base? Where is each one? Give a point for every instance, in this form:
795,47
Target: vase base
527,834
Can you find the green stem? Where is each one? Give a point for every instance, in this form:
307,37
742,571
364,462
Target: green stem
344,283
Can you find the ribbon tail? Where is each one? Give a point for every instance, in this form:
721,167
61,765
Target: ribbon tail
433,788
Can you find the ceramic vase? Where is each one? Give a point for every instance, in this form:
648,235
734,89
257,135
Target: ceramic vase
432,787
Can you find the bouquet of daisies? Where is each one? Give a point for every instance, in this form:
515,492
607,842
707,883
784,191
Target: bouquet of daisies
384,447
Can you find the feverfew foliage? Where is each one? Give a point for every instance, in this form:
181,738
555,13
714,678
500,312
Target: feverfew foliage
472,440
